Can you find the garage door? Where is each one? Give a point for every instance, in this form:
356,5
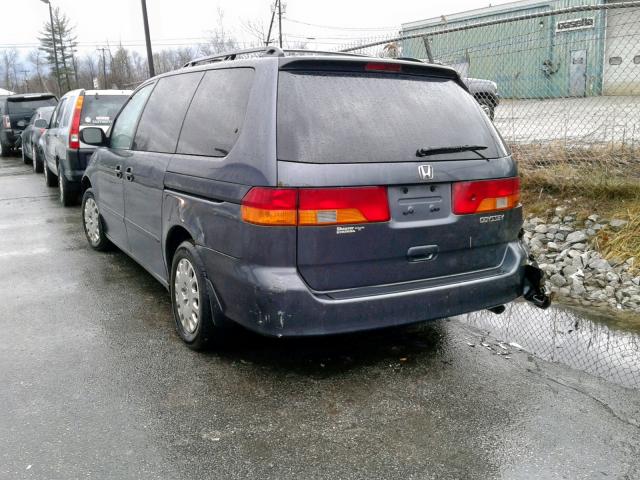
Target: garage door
622,52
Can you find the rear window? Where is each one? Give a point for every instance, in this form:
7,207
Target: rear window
29,105
366,118
101,109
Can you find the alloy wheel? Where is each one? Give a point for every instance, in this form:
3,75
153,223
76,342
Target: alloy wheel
61,186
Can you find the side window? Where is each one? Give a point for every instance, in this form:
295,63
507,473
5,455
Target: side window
125,125
217,113
57,115
162,118
68,109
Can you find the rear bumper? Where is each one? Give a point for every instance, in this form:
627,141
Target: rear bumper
276,301
76,163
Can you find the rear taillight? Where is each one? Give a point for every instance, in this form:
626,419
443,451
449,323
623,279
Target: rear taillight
485,196
74,131
6,121
315,206
270,206
322,206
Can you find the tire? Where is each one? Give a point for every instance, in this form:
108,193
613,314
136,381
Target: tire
67,191
37,164
187,270
488,108
92,223
49,177
4,150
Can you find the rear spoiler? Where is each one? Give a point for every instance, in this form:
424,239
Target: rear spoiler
332,64
30,96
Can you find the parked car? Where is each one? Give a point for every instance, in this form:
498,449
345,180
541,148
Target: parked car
31,135
486,94
310,195
65,156
15,112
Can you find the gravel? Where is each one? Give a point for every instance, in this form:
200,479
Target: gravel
577,272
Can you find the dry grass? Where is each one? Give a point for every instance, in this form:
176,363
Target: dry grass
601,179
625,243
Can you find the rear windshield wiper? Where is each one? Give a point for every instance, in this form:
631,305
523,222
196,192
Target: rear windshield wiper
425,152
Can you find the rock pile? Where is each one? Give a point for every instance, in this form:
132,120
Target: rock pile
575,270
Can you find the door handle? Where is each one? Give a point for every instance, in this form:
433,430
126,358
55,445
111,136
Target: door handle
118,170
128,174
423,253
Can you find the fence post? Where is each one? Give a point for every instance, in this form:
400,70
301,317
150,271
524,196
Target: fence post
427,47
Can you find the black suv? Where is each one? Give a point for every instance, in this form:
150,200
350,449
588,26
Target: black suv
307,195
15,112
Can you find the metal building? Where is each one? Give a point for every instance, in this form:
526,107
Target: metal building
586,50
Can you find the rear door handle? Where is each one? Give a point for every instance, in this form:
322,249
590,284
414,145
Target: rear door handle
128,174
118,171
423,253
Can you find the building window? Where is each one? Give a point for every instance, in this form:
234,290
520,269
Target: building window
615,60
636,59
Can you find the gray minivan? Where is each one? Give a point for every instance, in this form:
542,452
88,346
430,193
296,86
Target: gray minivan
310,194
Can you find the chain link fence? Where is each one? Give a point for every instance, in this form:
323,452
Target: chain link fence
568,80
584,341
568,103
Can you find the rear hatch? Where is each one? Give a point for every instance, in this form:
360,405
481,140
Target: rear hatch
356,124
99,110
21,108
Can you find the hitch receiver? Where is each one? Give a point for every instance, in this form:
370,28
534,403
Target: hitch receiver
534,290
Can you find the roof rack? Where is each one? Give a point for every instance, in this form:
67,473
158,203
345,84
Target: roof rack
262,52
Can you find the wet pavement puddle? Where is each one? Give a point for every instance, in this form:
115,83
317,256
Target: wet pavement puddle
589,341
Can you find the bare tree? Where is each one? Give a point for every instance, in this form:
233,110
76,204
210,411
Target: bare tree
219,39
256,30
9,68
36,58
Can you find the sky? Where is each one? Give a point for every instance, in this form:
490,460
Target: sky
173,23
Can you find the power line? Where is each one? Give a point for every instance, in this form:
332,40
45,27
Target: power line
360,29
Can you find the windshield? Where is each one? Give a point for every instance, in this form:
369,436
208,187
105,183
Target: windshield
101,109
29,105
360,118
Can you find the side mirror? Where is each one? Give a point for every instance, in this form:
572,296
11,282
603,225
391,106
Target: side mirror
41,123
93,136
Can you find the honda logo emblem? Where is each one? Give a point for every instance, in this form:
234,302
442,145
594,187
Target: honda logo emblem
425,172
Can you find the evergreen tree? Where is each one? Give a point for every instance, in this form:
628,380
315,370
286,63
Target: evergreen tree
66,45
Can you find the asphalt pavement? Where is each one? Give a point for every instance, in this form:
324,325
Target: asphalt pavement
95,383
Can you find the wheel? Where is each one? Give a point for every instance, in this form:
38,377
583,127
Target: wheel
25,157
37,163
488,108
92,223
196,323
49,177
67,190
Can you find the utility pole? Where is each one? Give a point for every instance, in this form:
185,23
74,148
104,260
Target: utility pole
145,20
55,50
273,16
104,67
280,21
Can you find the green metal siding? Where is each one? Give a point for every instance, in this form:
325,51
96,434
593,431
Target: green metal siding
513,53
